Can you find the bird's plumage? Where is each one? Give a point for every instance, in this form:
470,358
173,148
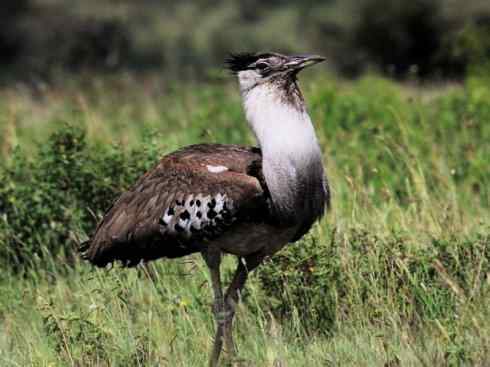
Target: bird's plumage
241,61
181,204
216,199
184,202
291,156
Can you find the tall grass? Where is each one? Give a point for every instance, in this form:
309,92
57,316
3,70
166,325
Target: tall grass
397,274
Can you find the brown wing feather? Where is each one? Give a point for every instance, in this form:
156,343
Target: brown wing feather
180,204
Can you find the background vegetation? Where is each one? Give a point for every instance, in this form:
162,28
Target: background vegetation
425,38
397,273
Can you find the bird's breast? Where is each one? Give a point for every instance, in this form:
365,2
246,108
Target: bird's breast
248,238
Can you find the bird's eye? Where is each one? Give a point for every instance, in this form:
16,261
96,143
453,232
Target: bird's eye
261,66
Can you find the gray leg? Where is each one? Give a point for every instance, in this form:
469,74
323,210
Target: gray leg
213,260
245,265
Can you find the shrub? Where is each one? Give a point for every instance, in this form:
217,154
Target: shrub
46,203
357,275
398,36
473,45
419,37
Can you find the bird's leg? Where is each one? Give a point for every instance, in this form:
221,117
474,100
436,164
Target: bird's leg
212,257
245,265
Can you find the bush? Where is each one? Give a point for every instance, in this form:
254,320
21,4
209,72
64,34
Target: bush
11,13
401,38
358,275
473,45
74,42
45,204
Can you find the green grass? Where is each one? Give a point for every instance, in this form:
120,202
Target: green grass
397,274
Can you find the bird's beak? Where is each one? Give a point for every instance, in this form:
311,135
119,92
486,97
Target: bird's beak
299,62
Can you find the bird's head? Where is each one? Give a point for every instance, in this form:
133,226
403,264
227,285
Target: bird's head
255,69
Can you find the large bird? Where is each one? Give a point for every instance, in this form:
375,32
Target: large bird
227,199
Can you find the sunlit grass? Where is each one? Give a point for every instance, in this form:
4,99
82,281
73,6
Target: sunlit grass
398,273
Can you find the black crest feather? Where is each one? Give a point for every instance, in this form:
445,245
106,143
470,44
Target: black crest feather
240,61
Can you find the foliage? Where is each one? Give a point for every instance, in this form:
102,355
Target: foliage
421,38
396,274
399,36
44,202
324,283
473,44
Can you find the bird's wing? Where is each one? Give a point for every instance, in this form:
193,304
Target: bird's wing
191,196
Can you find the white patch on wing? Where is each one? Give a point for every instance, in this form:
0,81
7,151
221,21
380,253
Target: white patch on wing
220,201
216,169
167,218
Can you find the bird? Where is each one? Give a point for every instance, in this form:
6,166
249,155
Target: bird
217,199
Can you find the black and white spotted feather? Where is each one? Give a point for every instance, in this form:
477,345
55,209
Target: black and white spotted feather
197,215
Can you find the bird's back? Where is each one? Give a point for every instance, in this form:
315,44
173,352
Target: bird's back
192,197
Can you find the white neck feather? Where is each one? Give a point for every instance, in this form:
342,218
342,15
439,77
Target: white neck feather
292,164
280,127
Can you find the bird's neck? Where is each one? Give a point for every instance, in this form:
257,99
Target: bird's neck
291,157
